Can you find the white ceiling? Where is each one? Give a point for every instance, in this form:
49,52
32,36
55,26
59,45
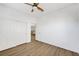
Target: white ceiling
48,7
53,6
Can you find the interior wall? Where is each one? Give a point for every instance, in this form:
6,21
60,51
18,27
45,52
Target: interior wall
60,28
15,27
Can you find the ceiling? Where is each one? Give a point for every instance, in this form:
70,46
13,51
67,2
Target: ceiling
48,7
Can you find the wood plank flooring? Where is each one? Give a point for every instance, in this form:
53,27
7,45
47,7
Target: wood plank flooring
36,48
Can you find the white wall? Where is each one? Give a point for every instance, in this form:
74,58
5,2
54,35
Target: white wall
13,33
60,28
15,28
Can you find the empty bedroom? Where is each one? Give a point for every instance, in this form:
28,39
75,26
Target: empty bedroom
39,29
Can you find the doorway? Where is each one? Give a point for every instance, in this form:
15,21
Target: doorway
33,33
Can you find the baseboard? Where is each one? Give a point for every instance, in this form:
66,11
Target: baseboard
58,46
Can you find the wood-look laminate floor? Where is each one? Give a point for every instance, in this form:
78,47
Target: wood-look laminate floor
36,48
